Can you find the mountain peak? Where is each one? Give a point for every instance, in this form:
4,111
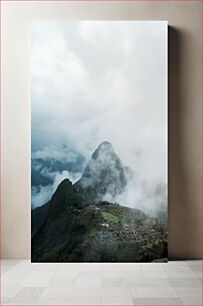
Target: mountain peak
104,175
64,198
66,181
64,185
105,148
105,145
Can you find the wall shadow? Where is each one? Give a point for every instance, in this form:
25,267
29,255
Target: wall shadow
174,160
182,237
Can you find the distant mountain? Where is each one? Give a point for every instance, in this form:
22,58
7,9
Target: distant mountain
49,166
47,162
104,175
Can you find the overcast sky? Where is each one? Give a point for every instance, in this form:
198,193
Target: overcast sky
102,80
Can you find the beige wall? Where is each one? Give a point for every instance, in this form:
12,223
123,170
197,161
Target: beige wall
184,113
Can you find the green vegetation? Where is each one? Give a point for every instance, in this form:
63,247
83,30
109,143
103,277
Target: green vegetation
110,217
161,260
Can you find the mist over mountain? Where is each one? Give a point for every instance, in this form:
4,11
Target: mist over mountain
104,176
51,165
50,160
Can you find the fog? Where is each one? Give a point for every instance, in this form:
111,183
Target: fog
95,81
42,194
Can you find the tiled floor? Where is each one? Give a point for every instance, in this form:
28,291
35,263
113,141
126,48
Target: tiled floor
173,283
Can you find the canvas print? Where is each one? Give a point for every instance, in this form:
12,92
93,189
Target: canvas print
99,141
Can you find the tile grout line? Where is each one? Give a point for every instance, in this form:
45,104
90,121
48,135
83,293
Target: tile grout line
16,286
180,298
176,290
102,284
46,286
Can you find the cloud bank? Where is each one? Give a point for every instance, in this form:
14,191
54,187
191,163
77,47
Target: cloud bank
103,80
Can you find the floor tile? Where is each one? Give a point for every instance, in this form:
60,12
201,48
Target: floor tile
152,267
74,292
177,268
11,261
15,275
88,282
192,301
69,301
67,267
22,301
155,274
66,273
155,292
61,282
157,301
124,267
37,279
173,283
12,280
9,292
46,267
175,274
198,274
193,262
112,282
32,292
115,292
91,267
90,275
186,282
4,301
189,291
89,279
196,268
6,268
146,282
117,301
123,274
176,263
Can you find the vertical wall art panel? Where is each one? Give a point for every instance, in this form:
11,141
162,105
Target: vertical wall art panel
99,141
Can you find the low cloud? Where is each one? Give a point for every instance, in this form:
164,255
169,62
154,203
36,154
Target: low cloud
50,166
85,91
59,152
150,197
42,194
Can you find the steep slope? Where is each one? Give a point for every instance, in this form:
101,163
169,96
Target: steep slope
38,216
58,221
104,177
